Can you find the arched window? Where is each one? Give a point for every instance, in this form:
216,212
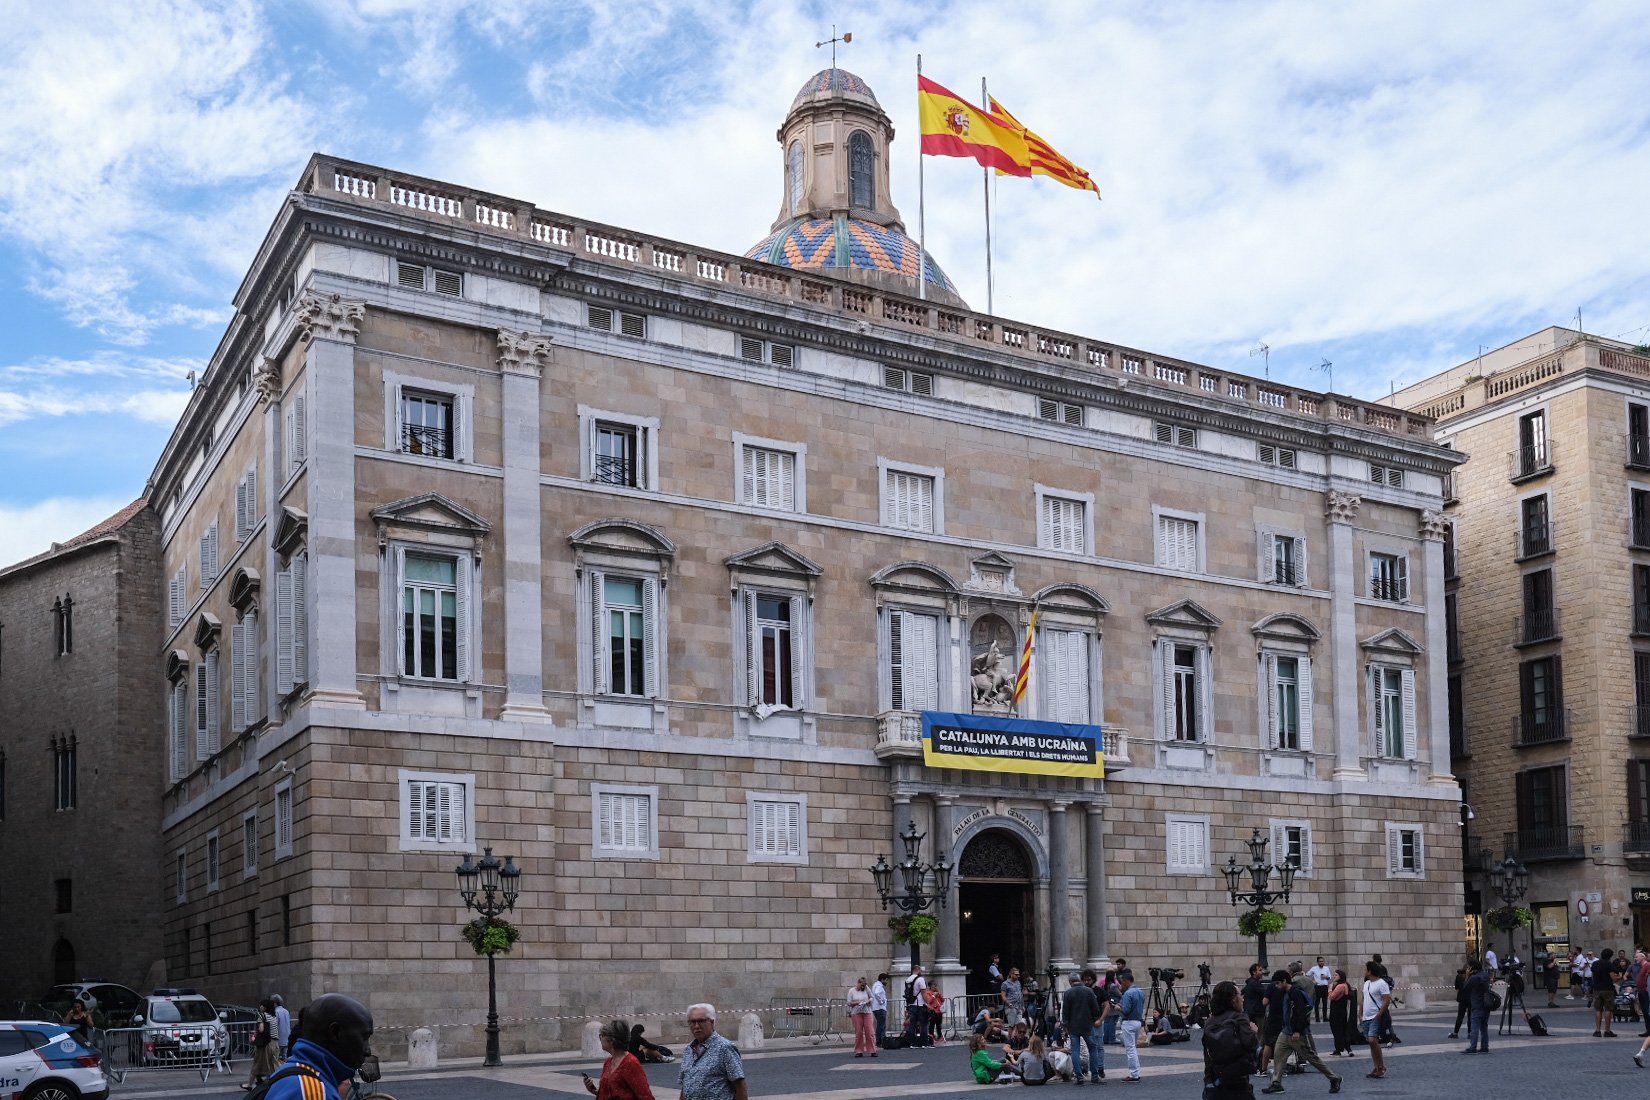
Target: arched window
861,170
796,177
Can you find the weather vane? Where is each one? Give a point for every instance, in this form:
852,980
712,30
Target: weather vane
1328,368
1265,353
845,38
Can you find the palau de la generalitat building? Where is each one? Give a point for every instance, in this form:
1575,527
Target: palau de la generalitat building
648,565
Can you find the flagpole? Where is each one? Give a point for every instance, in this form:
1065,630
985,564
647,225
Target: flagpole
922,220
985,186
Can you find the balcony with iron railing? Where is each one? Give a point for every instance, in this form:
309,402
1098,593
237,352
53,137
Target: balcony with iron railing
1541,727
1635,839
1553,842
614,470
1527,462
433,442
1641,721
1638,531
1638,451
1290,573
1390,589
1641,620
1538,625
899,733
1534,539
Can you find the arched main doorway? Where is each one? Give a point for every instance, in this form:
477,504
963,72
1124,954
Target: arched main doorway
996,913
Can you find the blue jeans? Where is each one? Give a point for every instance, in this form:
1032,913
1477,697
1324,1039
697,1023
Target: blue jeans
1097,1056
1109,1030
882,1024
1478,1029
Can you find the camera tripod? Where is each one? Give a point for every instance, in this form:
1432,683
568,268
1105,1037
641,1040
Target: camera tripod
1162,997
1515,995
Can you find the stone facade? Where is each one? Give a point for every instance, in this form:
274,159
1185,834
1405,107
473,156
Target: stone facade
1549,540
80,752
461,437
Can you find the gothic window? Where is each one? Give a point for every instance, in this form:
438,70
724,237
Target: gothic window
861,170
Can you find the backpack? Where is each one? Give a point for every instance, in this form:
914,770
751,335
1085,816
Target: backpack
1492,999
1231,1043
296,1070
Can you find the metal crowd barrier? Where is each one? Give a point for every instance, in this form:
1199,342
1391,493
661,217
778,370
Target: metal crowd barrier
960,1012
804,1017
157,1048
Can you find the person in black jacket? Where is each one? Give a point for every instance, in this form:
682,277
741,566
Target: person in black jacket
1477,989
1461,1002
1226,1077
1296,1038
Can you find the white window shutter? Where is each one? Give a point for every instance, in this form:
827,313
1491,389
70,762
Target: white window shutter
1300,562
1408,677
923,490
300,619
752,680
237,676
896,660
455,826
1420,855
1306,848
252,510
214,687
922,682
464,572
291,441
254,669
201,749
300,441
283,632
787,482
600,657
650,631
1394,850
1280,843
461,427
1165,672
747,475
1373,677
209,554
1045,536
1401,574
174,731
798,631
401,627
1303,678
1273,713
240,510
415,810
443,810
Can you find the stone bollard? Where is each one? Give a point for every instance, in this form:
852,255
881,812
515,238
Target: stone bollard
750,1032
421,1052
1415,997
590,1044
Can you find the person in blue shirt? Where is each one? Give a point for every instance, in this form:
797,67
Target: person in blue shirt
335,1036
1131,1008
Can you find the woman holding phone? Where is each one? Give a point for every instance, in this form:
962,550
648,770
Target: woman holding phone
622,1075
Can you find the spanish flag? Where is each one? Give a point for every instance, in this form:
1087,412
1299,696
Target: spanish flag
1044,160
953,127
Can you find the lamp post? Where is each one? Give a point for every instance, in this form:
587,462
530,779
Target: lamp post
490,888
1260,873
1510,879
914,877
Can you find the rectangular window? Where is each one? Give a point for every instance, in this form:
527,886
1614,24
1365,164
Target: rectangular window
1063,412
177,714
775,669
1292,844
1188,844
252,933
1386,475
623,611
1457,718
436,811
244,672
618,454
625,826
1389,577
1184,691
1641,694
1532,456
913,649
1067,678
249,845
1288,560
1286,702
176,595
1176,435
1543,809
1392,705
297,436
1452,628
778,829
283,819
209,555
1540,612
292,626
1449,552
1177,543
66,776
908,500
1541,701
434,604
427,424
1641,599
181,873
246,504
212,867
1404,855
1535,529
1281,457
910,381
1638,436
1064,525
1639,527
767,478
64,888
766,351
206,706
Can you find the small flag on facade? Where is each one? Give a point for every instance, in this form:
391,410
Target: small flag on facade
953,127
1023,680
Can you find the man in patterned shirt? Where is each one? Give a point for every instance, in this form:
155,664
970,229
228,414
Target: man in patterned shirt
711,1067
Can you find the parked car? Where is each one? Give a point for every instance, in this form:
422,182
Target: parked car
242,1023
180,1027
112,1005
44,1061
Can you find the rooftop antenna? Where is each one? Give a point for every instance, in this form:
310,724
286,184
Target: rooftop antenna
845,38
1265,353
1329,368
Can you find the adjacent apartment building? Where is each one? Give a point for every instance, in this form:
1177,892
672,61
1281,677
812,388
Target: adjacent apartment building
649,565
1549,610
80,729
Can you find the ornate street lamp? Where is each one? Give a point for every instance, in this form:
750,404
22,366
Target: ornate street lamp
490,888
1510,879
915,877
1260,873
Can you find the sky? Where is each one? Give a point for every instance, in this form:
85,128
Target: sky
1384,185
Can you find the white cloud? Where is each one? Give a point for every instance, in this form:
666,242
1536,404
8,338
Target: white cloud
29,529
153,390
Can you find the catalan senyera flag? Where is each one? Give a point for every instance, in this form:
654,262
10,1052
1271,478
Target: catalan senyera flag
953,127
1023,680
1045,161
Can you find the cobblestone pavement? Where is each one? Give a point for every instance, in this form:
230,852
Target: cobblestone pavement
1427,1064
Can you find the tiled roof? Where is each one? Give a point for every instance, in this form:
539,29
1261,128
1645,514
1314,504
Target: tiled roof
91,534
824,244
833,80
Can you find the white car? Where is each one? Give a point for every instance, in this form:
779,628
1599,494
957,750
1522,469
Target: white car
180,1027
41,1061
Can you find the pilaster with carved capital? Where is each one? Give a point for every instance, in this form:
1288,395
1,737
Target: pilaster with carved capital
266,379
1342,507
330,317
522,352
1433,525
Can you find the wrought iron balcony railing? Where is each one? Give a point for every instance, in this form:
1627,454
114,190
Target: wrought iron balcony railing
1528,462
1542,727
1537,625
1551,842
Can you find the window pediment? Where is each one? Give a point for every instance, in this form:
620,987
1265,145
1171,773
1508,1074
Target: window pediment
1070,596
431,512
207,629
1188,614
775,557
244,588
914,576
290,531
622,536
177,664
1286,628
1393,643
992,573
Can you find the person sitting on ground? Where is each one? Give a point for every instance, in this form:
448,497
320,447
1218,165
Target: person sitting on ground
1199,1011
1019,1038
645,1051
987,1070
1033,1064
989,1025
334,1038
1059,1061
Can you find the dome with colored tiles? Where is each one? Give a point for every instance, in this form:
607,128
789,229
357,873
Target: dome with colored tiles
841,245
828,81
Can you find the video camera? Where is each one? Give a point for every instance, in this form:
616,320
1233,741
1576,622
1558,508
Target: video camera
1204,972
1167,975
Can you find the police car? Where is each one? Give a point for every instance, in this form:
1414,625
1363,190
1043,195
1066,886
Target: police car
41,1061
179,1027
